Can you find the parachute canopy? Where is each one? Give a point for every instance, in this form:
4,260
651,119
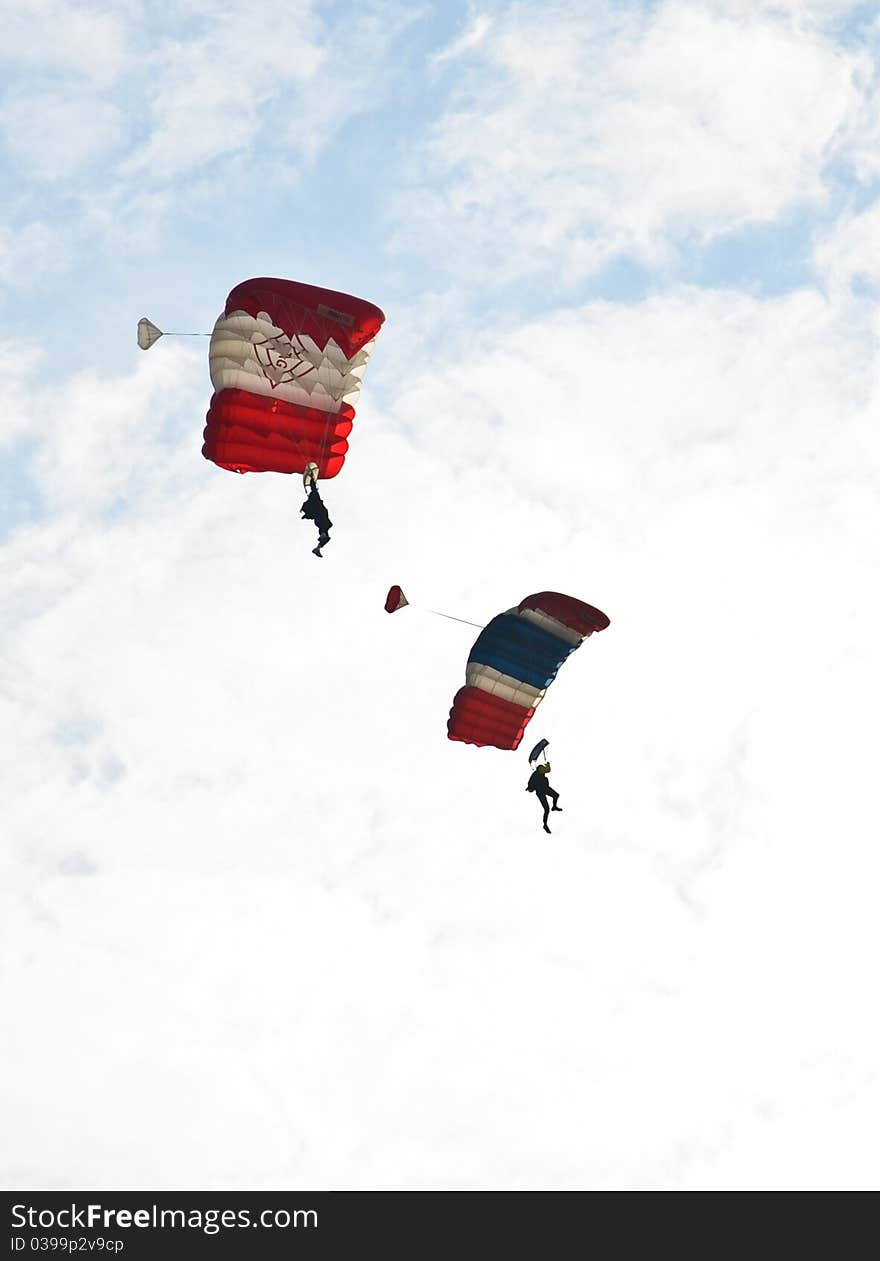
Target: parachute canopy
286,362
148,333
395,600
513,662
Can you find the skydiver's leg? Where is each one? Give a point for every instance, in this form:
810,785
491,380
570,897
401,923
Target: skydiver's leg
544,802
555,795
323,522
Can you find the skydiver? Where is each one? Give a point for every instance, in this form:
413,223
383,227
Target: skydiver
315,510
539,785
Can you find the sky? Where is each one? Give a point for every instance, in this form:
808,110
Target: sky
262,925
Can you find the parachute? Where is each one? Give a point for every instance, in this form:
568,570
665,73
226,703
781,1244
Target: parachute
513,662
538,750
286,362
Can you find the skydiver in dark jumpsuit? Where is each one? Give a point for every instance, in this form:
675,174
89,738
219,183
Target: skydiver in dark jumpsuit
315,510
540,787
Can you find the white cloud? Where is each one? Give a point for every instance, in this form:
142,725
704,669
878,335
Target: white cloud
19,363
475,33
174,114
88,42
594,135
285,90
850,251
55,135
104,440
211,94
821,14
859,143
33,250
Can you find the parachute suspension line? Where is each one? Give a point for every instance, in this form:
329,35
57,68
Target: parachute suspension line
322,459
323,448
437,613
397,600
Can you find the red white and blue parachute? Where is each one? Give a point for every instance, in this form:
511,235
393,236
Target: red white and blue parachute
513,662
286,363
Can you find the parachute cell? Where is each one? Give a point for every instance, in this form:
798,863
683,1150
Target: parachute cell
513,662
286,362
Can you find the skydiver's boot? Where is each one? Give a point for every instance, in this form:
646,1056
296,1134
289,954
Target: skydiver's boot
546,829
557,807
316,551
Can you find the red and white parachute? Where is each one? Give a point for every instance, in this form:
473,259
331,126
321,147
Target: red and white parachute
286,362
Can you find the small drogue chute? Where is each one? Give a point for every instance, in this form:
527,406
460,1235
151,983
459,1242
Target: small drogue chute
395,600
148,333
